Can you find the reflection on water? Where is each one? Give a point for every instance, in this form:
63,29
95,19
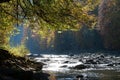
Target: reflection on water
101,67
109,74
90,75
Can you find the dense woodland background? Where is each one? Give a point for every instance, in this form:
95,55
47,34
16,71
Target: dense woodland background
84,24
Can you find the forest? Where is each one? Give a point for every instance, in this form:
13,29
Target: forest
34,28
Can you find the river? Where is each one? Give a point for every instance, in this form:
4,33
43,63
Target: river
67,47
99,66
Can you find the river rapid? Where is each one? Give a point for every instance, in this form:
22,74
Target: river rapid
87,66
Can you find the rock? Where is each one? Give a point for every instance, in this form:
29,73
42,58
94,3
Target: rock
81,66
45,60
40,76
80,60
66,62
38,65
79,76
91,61
102,56
2,77
111,65
63,66
4,54
17,74
19,68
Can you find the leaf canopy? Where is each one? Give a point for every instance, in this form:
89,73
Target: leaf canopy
52,14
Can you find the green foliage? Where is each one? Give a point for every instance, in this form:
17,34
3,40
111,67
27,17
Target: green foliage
6,27
52,14
17,51
44,15
58,14
8,19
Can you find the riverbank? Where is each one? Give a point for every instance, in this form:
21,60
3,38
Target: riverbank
20,68
59,67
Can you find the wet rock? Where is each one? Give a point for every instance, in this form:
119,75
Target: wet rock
40,76
79,76
118,63
80,60
38,65
63,66
16,74
45,60
91,61
25,75
66,62
101,56
4,54
111,65
2,77
19,68
81,66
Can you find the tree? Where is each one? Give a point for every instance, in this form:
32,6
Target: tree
109,23
64,13
59,14
47,14
6,23
1,1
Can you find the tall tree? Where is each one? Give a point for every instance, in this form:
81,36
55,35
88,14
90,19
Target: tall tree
62,13
109,24
47,14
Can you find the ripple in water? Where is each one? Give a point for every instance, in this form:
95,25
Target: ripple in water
99,66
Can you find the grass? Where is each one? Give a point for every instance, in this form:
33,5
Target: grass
20,50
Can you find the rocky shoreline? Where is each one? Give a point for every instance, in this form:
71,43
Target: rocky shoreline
86,66
88,61
20,68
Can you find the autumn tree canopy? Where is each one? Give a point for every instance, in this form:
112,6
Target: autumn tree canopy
56,13
46,14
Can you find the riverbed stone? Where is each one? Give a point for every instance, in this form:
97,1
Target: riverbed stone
19,68
66,62
91,61
64,66
81,66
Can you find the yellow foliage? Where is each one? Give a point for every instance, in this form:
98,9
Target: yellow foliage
17,51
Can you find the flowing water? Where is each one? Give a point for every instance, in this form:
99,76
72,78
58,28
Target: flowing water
101,67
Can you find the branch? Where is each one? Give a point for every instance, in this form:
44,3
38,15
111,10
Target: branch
2,9
2,1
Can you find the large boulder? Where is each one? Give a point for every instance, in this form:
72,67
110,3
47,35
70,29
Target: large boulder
4,54
19,68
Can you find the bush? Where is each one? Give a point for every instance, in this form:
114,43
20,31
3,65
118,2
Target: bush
20,50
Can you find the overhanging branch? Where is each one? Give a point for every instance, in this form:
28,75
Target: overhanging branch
2,1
